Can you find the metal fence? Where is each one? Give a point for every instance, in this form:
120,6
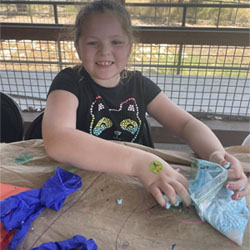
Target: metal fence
175,13
208,76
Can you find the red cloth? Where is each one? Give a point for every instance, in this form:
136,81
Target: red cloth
7,190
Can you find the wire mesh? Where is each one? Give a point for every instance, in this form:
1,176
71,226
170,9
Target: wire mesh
28,69
213,79
199,78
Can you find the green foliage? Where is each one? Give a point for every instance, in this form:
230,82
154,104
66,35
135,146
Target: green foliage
199,16
214,61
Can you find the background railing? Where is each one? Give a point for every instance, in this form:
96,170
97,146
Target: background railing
202,67
234,13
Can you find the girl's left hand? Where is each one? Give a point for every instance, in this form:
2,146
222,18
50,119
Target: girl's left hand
237,180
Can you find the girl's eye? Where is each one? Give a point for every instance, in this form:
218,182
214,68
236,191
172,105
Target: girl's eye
116,42
92,43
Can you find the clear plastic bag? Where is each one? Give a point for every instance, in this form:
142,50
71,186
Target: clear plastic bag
213,200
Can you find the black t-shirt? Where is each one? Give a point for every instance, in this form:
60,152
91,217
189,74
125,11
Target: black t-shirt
116,113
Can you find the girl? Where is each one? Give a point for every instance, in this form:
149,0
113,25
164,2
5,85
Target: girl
100,101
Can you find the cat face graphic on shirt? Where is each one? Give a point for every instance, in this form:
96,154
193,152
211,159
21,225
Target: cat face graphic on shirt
122,123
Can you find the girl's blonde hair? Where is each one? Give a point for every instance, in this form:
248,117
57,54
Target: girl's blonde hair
103,6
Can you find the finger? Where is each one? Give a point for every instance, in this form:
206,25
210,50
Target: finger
169,191
183,180
238,185
156,192
182,191
235,172
242,193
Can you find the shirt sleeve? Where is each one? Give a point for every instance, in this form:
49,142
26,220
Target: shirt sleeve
151,89
66,80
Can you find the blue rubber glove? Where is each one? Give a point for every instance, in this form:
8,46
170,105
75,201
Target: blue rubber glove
18,211
77,242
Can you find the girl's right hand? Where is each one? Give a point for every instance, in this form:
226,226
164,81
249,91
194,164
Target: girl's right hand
167,181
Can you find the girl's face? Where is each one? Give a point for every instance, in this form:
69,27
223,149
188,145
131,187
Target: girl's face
104,48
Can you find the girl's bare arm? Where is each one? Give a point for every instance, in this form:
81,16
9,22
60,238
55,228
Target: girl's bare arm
64,143
200,138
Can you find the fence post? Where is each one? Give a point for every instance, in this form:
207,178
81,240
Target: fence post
55,13
181,45
59,55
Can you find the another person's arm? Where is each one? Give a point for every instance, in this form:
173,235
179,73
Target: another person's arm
200,138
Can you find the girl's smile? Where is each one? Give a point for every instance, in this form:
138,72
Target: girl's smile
104,63
104,48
